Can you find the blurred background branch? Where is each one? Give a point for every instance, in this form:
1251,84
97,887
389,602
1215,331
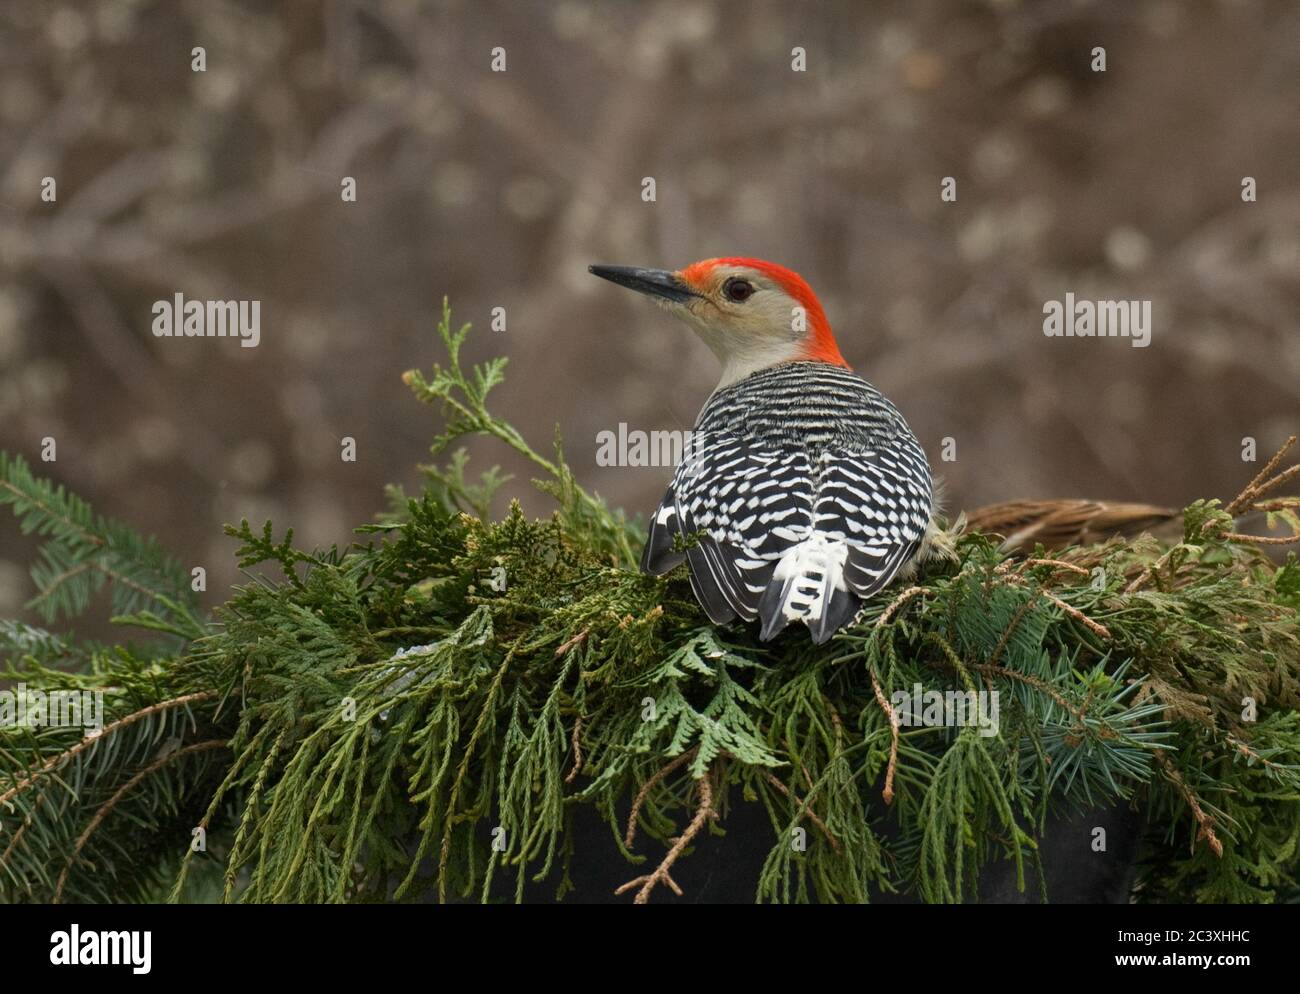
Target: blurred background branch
499,188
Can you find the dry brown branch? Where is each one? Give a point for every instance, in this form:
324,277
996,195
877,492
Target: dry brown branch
639,800
1059,564
1260,485
1248,752
576,640
804,807
1147,573
897,602
888,792
1077,615
22,829
1280,504
1205,824
1261,539
703,812
1017,577
577,750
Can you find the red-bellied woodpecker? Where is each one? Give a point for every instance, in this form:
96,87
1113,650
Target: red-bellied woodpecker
802,491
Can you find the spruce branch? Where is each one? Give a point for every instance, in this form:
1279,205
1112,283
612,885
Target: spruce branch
108,807
80,551
61,759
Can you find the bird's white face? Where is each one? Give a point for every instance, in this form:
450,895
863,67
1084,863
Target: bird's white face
746,318
752,314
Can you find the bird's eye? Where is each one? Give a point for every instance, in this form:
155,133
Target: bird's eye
738,290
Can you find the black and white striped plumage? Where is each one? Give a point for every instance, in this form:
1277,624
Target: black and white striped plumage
808,492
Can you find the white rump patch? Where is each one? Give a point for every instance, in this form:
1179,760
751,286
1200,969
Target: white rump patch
816,567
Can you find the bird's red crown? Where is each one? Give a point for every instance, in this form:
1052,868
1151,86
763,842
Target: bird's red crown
822,346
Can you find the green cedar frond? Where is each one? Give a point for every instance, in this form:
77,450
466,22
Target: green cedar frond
419,714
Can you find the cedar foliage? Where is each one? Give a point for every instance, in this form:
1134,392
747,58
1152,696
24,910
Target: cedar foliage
362,724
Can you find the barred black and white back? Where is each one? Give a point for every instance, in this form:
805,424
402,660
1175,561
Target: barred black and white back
808,493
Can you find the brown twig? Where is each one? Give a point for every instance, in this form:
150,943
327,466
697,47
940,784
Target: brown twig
1261,539
22,829
897,602
805,807
1148,572
577,750
648,786
1260,485
1078,615
807,777
1058,563
703,812
1016,618
1046,688
577,639
1248,499
1204,822
888,792
1073,612
577,724
1244,749
1279,504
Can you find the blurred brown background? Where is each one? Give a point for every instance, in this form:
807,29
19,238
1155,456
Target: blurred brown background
498,189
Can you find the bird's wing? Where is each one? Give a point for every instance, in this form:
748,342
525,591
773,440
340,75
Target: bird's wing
727,500
782,534
878,502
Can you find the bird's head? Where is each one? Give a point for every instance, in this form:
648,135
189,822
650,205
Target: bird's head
752,314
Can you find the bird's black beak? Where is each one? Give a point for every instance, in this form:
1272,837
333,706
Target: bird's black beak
655,282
